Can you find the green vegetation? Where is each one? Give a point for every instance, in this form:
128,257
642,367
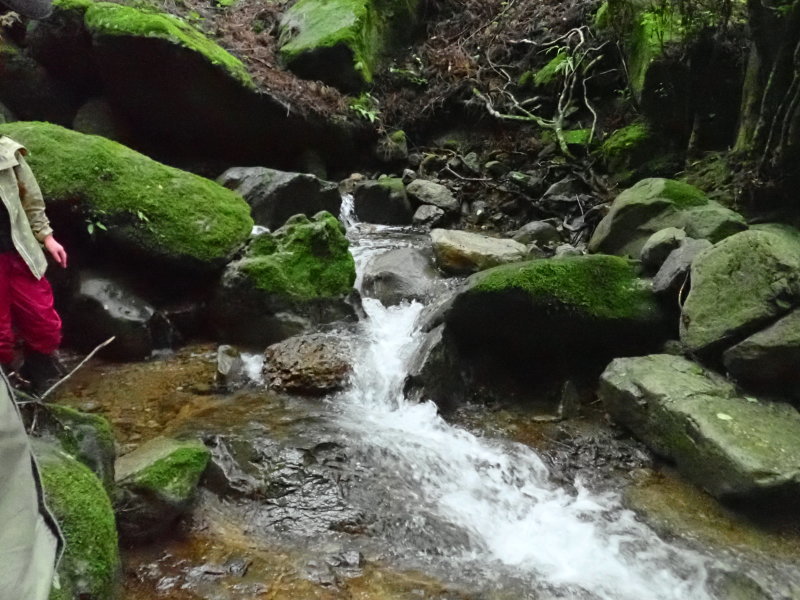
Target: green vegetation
83,510
304,259
164,212
597,286
176,475
553,69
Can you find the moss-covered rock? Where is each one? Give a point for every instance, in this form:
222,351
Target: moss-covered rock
570,308
165,216
286,282
90,566
735,447
550,72
383,201
655,204
340,41
739,286
636,151
156,484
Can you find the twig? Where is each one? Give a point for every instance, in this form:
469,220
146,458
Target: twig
80,364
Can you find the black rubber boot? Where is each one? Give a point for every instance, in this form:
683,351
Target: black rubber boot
42,370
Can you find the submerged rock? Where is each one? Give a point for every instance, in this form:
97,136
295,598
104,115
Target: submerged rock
399,274
463,252
274,196
735,447
383,201
314,364
655,204
156,484
740,285
286,283
90,567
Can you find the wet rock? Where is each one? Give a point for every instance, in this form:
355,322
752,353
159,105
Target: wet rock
84,436
90,566
156,485
383,201
348,185
675,270
655,204
540,233
423,191
659,245
463,252
434,372
765,264
286,283
734,447
274,196
399,274
770,359
230,373
103,308
428,215
314,364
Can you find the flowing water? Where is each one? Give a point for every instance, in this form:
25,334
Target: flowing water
496,509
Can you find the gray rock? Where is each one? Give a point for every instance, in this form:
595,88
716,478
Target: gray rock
738,286
435,372
471,163
567,250
541,233
428,215
103,308
673,273
495,168
464,252
313,364
230,373
734,447
428,192
659,245
383,201
156,484
655,204
408,176
568,186
96,117
770,359
274,196
399,274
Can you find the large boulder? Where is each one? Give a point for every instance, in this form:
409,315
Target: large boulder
769,359
383,201
739,286
169,219
655,204
463,252
274,196
340,41
735,447
213,110
399,274
156,484
286,283
90,567
102,308
314,364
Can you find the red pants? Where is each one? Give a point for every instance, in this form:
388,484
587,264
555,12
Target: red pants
27,304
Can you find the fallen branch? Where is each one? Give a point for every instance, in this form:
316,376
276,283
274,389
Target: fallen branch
80,364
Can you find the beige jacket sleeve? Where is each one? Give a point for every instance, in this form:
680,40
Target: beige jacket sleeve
32,200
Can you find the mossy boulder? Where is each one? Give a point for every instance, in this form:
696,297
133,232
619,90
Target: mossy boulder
383,201
286,282
655,204
739,286
156,485
90,567
568,309
637,151
734,447
340,42
168,218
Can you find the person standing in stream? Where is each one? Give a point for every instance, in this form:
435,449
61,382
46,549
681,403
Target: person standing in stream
26,298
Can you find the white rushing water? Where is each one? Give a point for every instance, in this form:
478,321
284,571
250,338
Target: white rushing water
497,494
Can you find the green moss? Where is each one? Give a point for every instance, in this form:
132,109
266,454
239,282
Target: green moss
548,73
625,140
398,137
78,5
165,212
105,18
578,137
304,259
176,475
83,510
602,18
650,32
598,286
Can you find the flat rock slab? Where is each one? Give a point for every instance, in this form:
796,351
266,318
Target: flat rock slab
733,446
464,252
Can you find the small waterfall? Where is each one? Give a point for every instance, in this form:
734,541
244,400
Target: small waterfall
498,495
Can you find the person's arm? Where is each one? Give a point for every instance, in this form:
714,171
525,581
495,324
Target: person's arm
33,205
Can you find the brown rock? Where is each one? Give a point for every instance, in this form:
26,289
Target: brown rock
314,364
